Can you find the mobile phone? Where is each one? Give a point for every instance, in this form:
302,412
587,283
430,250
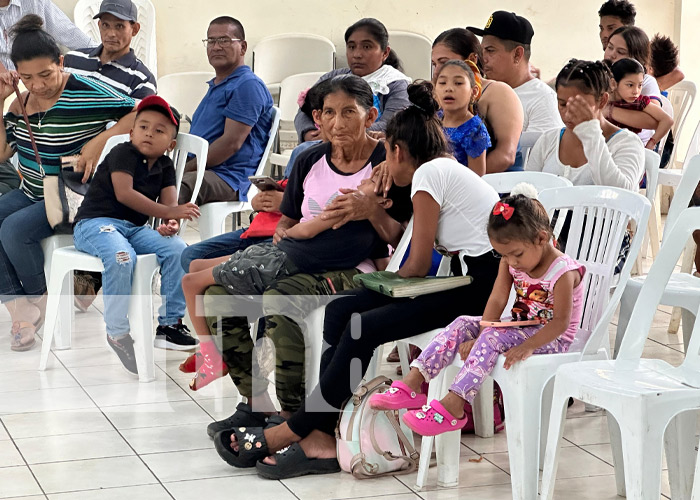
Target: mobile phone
264,183
529,322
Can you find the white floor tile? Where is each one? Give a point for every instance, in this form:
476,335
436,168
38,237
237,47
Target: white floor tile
220,388
604,452
494,492
80,475
4,436
148,492
342,485
220,409
9,456
243,487
190,465
470,474
17,482
157,415
54,423
573,462
164,439
32,380
134,393
587,431
70,398
66,447
21,361
104,375
91,356
586,488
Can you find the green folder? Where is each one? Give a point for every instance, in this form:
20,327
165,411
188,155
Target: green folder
393,285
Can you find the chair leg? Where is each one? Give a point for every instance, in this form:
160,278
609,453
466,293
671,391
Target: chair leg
523,424
557,419
688,322
642,449
629,297
653,230
141,321
680,453
426,449
547,395
482,410
686,267
66,311
618,461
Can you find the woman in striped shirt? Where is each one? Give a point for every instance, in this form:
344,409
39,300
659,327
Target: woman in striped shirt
68,115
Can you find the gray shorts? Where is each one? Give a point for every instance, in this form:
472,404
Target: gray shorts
251,270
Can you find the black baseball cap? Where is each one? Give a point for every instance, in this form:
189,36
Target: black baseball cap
121,9
507,26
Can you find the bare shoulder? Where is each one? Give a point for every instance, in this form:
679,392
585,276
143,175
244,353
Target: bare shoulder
499,95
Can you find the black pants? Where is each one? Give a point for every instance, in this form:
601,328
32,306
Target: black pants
382,319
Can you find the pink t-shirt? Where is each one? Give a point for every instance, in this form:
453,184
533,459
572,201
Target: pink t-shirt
535,296
322,185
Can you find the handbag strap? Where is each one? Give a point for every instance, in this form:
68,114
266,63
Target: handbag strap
29,129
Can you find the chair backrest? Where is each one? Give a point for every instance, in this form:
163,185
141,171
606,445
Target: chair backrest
693,147
252,190
654,287
651,169
683,193
414,50
527,141
599,219
504,182
290,88
144,43
682,96
279,56
186,145
184,91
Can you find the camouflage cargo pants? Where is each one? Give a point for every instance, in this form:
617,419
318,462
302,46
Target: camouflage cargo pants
295,296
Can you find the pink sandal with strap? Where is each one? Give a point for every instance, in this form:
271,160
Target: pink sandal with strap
433,419
397,397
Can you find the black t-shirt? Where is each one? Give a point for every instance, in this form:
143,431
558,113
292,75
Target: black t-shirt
100,200
342,248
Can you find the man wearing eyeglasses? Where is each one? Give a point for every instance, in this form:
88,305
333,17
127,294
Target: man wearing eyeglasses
235,117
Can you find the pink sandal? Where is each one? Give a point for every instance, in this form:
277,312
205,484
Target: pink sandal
397,397
433,419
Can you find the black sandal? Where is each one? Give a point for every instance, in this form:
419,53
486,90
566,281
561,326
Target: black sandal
251,446
243,417
293,462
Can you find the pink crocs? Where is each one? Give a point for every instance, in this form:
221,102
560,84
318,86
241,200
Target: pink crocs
397,397
433,419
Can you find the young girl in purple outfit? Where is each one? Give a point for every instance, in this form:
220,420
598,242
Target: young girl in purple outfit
549,296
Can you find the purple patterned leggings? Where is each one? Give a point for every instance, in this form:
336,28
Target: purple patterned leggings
443,349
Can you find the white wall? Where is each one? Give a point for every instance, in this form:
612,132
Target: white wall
563,29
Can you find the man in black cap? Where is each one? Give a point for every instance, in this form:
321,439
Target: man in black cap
506,47
113,61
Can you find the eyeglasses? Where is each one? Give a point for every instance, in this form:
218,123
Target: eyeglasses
223,41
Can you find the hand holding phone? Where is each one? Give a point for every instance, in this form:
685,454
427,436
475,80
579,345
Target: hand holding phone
265,183
529,322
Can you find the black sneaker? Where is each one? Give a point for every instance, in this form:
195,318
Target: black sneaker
124,347
175,337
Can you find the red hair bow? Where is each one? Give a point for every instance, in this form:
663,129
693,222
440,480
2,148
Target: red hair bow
503,209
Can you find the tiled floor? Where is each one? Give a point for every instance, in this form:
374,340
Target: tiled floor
85,429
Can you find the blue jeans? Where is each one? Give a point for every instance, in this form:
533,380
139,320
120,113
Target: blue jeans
117,243
218,246
23,225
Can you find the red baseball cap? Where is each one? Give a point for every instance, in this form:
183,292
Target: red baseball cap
154,101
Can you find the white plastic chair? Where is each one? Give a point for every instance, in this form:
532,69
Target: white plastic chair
682,97
645,397
599,218
144,43
682,289
290,88
651,170
279,56
213,218
67,259
415,51
527,142
504,182
184,91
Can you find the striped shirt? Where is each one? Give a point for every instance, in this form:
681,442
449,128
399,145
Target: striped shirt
81,113
56,23
127,74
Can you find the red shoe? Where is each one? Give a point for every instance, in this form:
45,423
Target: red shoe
192,363
212,366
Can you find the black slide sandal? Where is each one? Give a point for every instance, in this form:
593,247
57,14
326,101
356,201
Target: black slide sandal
293,462
251,446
